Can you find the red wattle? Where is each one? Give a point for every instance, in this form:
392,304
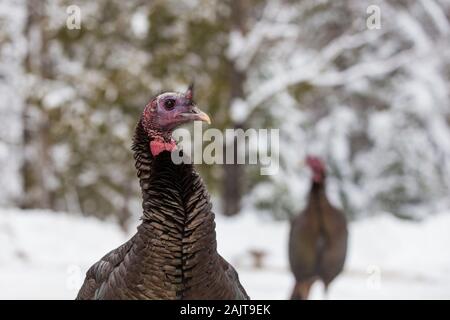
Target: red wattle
158,146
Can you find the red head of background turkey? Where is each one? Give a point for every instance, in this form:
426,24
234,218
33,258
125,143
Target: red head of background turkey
317,167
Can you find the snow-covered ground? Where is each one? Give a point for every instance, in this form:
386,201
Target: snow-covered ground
44,255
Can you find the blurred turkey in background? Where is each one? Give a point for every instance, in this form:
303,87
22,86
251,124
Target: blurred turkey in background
372,102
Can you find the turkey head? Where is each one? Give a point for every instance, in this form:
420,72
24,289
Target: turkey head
166,112
317,167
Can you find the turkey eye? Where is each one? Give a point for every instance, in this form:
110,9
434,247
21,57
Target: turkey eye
169,104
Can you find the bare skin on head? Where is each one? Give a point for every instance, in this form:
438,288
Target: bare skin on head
165,113
317,167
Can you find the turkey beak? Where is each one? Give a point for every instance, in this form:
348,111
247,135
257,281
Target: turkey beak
193,114
200,115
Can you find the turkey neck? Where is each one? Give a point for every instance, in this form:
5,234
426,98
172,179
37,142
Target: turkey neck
164,184
318,202
177,216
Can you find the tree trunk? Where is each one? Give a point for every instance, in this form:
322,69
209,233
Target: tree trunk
36,164
233,174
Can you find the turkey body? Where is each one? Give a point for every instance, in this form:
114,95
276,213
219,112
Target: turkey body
173,254
317,243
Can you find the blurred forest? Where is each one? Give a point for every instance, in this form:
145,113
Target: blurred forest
373,102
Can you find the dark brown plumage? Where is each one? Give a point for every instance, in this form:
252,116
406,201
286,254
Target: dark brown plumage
318,238
173,254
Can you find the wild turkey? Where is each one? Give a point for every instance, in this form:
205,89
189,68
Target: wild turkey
173,254
318,237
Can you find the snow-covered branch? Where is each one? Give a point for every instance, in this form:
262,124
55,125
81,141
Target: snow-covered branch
243,48
313,69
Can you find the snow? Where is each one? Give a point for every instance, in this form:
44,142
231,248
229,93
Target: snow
58,97
12,79
45,255
388,258
438,16
140,24
239,110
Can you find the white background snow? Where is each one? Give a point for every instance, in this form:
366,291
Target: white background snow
45,256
